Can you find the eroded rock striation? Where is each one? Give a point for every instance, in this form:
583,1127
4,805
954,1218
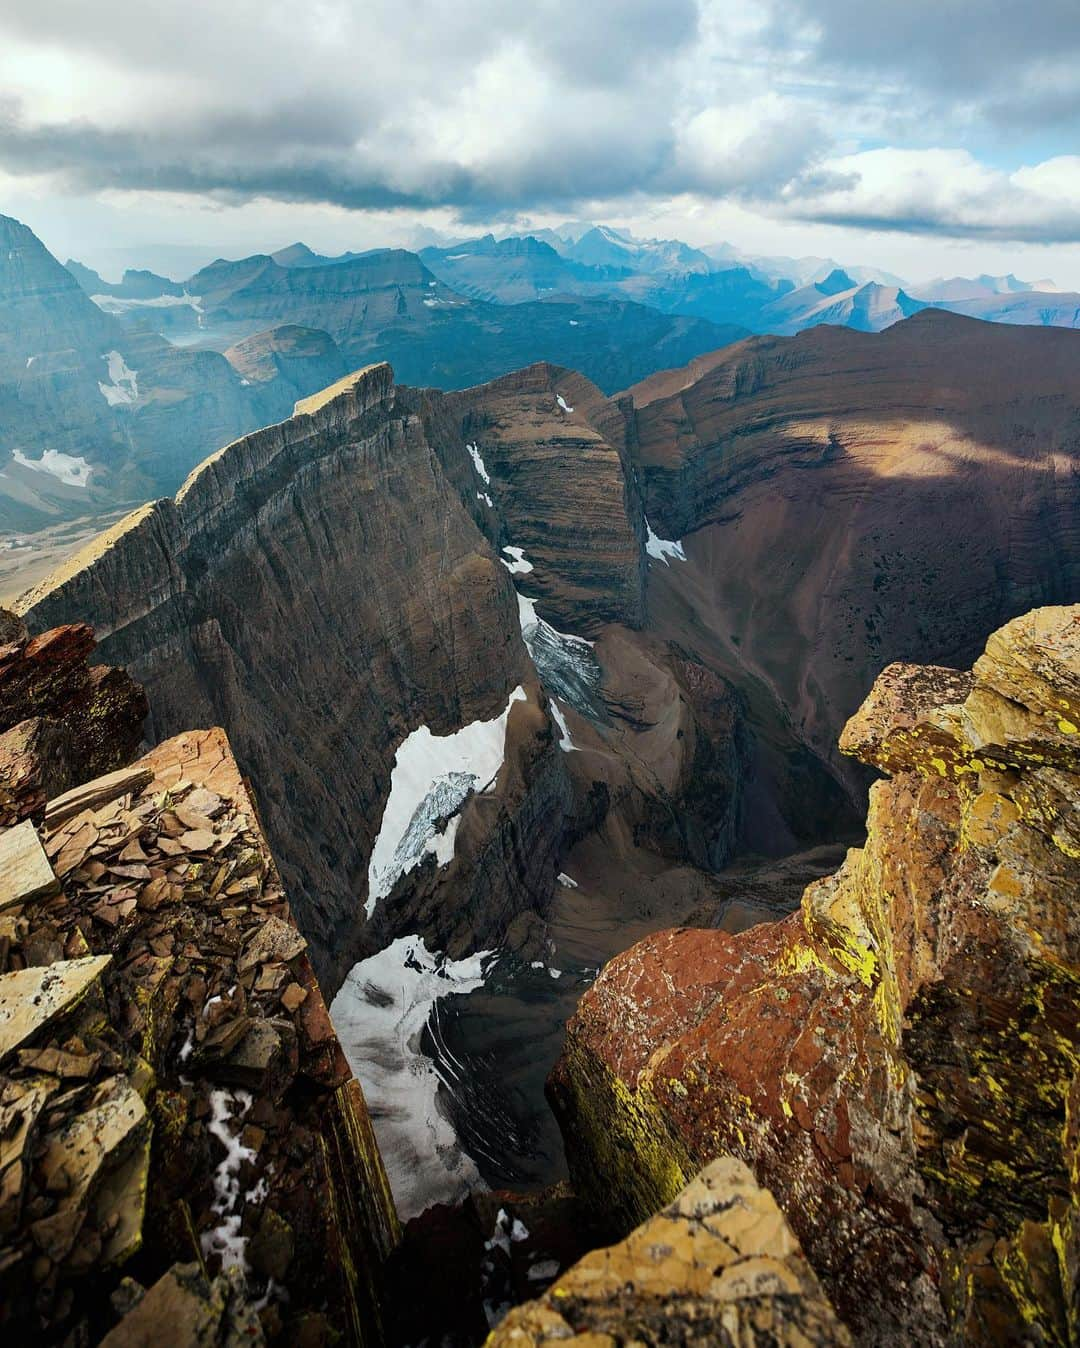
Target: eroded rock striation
898,1060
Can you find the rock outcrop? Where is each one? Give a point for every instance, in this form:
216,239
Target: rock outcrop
719,1266
898,1061
184,1151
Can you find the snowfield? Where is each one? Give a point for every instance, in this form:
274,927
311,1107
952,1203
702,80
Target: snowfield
432,777
380,1015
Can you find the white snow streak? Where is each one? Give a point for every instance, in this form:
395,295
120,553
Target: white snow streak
566,744
229,1107
567,880
72,472
483,496
433,775
380,1014
662,548
518,565
124,387
563,403
478,462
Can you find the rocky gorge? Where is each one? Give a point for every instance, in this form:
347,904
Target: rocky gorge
526,681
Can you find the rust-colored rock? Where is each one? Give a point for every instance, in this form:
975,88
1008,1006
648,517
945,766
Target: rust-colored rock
62,720
898,1061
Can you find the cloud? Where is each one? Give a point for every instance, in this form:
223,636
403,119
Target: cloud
942,191
805,109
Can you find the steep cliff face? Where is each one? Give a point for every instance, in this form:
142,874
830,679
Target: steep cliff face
185,1152
897,1061
855,499
383,610
566,493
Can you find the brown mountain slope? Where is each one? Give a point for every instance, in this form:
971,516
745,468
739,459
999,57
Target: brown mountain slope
329,587
856,498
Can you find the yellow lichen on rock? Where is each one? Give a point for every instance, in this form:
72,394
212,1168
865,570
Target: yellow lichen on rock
718,1265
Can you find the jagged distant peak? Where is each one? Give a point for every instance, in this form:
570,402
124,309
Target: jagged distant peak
837,281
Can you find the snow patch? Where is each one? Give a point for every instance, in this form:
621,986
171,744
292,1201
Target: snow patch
555,973
563,403
227,1110
118,304
432,777
566,744
518,565
662,548
483,496
566,880
124,388
71,471
380,1015
478,462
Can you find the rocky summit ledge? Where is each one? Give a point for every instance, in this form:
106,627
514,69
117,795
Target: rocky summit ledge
184,1153
899,1062
718,1266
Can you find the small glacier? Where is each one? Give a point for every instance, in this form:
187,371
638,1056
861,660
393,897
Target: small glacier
380,1015
432,777
567,667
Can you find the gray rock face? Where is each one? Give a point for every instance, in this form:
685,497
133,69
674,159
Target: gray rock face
318,588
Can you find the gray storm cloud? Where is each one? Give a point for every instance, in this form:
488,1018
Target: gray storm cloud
493,108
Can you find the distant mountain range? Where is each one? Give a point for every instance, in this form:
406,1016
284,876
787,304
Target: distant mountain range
111,391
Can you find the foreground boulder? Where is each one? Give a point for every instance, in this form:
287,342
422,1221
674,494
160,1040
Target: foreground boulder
897,1061
719,1266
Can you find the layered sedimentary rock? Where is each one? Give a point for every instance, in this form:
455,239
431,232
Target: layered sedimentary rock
565,491
856,499
322,590
898,1060
719,1266
286,364
184,1152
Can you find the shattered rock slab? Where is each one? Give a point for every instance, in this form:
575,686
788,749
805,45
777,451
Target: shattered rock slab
719,1265
188,1310
31,998
206,1032
25,873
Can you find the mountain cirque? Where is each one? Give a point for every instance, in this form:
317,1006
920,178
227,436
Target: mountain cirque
663,606
898,1061
324,587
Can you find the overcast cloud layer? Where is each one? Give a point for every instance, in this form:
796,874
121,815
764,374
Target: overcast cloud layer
928,117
